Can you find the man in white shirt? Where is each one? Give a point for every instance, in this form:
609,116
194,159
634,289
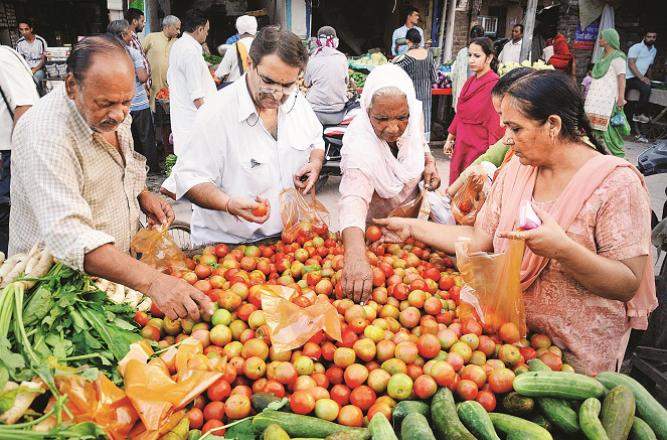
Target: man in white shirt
399,44
640,58
511,52
255,138
32,47
235,61
18,93
190,82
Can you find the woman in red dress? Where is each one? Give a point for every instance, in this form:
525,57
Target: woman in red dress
476,124
562,56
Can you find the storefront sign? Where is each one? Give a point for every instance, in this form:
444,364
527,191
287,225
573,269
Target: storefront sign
585,38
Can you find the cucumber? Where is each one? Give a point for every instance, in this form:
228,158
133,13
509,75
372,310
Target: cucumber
589,420
641,431
538,365
415,427
542,421
194,434
648,408
261,400
557,384
405,407
559,413
380,428
618,412
476,419
518,405
516,435
510,424
340,435
304,426
275,432
446,423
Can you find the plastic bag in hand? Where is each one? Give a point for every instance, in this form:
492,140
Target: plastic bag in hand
468,201
158,249
302,216
492,291
419,207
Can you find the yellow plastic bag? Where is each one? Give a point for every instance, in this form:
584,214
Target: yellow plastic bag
492,290
302,218
468,201
291,326
158,249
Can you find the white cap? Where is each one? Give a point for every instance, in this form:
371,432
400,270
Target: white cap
246,24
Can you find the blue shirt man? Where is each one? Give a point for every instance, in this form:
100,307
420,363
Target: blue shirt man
399,44
640,58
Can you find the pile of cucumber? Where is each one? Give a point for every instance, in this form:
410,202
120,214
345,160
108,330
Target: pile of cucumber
544,405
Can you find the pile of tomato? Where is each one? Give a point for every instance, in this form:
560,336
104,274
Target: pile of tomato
403,344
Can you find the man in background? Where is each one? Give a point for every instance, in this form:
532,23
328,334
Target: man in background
157,46
32,48
399,44
511,52
18,93
135,17
640,58
235,62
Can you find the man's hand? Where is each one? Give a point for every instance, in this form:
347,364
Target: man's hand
646,80
244,208
158,211
177,299
357,278
394,229
548,240
311,172
431,175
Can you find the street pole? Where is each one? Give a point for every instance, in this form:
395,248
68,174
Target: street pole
527,42
441,32
449,38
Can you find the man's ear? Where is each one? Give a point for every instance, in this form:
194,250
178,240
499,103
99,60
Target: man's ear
71,85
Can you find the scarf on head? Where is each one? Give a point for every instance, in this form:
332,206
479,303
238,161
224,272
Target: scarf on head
363,150
602,66
518,186
325,41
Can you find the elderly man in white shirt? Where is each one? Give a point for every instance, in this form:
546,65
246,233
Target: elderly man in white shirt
511,52
230,69
254,139
190,82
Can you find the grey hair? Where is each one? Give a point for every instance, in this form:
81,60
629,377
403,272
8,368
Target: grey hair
170,20
387,91
118,28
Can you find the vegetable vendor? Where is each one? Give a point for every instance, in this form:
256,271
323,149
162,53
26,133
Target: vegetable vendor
78,185
255,138
586,273
385,157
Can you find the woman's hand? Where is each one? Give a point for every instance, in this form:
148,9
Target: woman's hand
620,102
448,148
357,278
158,211
249,210
548,240
394,229
431,175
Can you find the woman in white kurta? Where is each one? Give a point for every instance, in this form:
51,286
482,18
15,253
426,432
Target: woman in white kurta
607,91
385,157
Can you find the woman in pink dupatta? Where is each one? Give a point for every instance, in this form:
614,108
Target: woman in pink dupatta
476,124
586,273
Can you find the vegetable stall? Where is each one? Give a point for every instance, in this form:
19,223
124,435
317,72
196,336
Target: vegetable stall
284,355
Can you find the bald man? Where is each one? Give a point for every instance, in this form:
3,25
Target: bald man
79,187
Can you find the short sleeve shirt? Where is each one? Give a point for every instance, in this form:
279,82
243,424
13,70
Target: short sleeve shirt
140,100
19,89
32,51
644,57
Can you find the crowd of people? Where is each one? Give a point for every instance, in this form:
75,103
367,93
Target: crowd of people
80,157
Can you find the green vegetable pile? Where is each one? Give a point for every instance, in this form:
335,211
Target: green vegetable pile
359,78
169,163
212,59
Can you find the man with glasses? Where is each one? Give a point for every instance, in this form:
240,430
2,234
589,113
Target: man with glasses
250,141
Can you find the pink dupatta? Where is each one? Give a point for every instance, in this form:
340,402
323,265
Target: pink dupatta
519,184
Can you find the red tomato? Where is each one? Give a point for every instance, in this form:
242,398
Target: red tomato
340,394
466,389
156,312
363,397
487,399
302,402
355,375
141,318
219,390
196,417
379,408
203,271
428,345
373,233
500,380
214,411
425,387
237,406
212,424
274,387
350,415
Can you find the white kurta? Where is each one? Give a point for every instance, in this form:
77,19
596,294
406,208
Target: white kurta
603,94
230,147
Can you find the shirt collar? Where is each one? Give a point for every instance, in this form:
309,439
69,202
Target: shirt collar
648,48
190,39
247,105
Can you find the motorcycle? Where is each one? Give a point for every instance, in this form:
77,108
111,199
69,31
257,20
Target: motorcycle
333,143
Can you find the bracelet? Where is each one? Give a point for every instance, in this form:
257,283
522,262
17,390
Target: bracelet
452,141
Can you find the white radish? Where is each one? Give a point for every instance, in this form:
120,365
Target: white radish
28,391
118,296
133,298
39,269
145,305
9,264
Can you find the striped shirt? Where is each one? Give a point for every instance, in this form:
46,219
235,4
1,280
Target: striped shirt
33,51
135,43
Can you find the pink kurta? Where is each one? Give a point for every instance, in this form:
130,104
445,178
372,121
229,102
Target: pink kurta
476,124
589,327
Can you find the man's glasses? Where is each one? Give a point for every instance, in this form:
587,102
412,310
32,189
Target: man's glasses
273,87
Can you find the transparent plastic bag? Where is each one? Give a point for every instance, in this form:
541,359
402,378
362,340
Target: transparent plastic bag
302,217
291,326
468,201
492,291
419,208
158,249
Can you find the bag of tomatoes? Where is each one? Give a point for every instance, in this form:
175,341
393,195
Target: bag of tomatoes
158,249
419,208
492,291
303,217
468,201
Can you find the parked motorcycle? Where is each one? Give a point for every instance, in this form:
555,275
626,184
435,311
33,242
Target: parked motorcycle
654,161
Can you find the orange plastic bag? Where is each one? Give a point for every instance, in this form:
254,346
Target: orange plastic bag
158,249
468,201
291,326
418,208
302,217
492,289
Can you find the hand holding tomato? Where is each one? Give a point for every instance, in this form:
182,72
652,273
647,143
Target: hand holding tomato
248,209
394,229
158,211
178,299
547,240
310,172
